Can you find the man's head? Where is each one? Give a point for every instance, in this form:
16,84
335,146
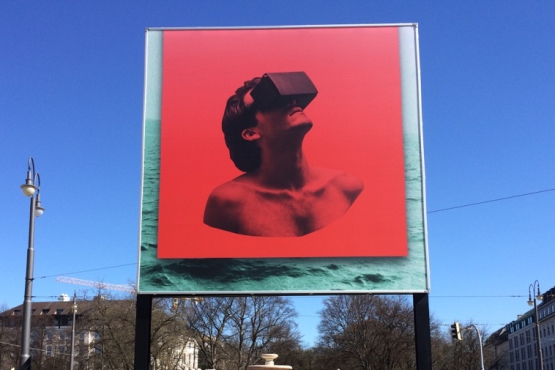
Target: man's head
277,93
238,117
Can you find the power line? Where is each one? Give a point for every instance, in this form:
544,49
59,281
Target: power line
34,349
98,269
434,211
490,201
487,324
478,296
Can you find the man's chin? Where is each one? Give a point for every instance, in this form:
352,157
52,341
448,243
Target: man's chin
307,125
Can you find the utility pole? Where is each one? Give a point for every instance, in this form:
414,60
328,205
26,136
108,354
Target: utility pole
72,361
31,189
533,302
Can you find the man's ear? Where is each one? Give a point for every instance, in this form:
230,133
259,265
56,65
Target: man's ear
250,134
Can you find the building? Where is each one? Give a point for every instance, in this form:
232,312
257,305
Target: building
497,346
522,342
98,322
51,327
546,312
522,336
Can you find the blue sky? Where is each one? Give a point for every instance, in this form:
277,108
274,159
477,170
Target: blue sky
71,96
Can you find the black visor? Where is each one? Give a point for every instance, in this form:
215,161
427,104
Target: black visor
278,89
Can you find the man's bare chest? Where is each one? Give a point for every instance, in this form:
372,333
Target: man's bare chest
291,215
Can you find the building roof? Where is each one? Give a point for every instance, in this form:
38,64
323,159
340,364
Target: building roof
54,308
42,308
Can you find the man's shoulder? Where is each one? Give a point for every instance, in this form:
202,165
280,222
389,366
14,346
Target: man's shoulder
349,182
225,204
341,179
231,192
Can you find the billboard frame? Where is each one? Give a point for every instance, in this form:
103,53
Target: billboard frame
416,112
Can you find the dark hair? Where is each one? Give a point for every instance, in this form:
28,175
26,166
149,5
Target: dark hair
237,117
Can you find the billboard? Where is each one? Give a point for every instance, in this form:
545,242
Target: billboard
312,182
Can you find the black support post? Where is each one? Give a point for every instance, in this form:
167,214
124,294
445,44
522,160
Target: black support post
142,331
422,333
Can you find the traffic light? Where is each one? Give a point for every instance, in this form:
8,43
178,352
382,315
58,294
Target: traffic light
456,331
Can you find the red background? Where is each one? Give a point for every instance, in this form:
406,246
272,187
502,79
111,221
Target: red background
357,128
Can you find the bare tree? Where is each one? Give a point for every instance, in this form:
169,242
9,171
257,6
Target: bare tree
450,354
112,324
466,353
10,340
257,323
232,332
367,332
169,336
208,320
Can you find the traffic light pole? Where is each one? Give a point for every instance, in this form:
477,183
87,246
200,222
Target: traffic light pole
457,334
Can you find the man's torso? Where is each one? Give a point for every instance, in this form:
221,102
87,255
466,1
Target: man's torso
252,209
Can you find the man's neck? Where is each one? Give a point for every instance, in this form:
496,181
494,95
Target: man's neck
284,170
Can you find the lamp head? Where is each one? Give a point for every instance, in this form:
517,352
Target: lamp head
39,209
530,301
29,187
539,295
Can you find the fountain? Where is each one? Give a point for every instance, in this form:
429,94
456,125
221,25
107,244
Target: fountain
269,363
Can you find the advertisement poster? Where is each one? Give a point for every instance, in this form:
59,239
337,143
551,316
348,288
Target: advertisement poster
311,184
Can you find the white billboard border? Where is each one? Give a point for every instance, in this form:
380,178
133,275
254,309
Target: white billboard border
410,70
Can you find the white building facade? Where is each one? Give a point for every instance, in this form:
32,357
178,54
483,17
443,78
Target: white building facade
523,342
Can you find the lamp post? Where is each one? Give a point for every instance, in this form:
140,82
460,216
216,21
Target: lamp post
72,361
532,302
31,188
481,345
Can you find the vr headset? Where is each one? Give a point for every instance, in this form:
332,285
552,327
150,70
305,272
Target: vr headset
278,89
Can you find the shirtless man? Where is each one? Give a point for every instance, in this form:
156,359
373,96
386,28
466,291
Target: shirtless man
279,195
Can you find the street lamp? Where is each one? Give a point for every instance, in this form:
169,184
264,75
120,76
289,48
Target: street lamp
31,188
73,331
481,345
532,302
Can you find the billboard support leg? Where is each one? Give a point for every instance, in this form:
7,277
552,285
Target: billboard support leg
422,333
142,331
